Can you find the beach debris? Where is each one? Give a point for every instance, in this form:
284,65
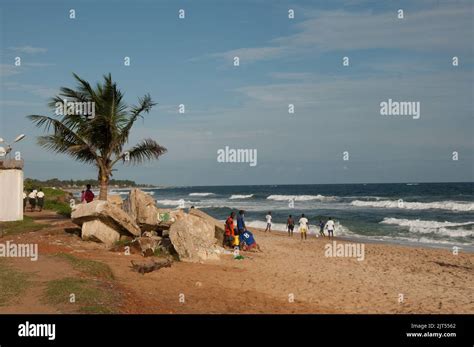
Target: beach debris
194,238
144,267
103,222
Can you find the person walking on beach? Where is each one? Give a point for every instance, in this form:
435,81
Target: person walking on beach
321,228
330,227
290,225
32,200
269,222
303,226
88,194
240,223
229,230
40,196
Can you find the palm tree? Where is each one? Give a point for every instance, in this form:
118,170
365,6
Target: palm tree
99,140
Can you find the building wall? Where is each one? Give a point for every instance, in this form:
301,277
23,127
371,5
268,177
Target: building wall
11,195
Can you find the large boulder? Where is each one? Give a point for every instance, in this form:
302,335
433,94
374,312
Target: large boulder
219,227
115,199
142,208
193,238
103,221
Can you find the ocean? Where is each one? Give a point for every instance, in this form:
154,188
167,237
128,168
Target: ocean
425,214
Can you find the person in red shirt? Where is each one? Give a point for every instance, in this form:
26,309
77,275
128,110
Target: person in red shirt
229,230
88,194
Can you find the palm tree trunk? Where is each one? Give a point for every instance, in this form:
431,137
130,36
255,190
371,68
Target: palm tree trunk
104,186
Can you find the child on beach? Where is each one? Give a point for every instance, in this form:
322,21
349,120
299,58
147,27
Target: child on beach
229,230
290,225
321,228
303,226
269,222
330,227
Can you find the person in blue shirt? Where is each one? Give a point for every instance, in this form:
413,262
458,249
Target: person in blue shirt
321,228
247,241
240,223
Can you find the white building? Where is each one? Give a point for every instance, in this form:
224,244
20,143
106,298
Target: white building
11,190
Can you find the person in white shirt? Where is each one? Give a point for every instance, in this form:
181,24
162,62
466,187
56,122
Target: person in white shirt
330,227
32,200
269,222
303,226
40,196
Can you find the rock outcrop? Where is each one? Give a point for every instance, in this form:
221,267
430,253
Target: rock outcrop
219,227
194,238
142,208
103,221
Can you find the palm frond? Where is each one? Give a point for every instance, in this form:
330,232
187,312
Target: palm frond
146,149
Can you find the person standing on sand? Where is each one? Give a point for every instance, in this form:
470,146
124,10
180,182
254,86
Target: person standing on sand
40,196
241,223
290,225
32,200
321,228
303,226
330,227
269,222
88,194
229,230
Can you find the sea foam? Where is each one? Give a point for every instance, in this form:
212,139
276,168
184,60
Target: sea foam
441,205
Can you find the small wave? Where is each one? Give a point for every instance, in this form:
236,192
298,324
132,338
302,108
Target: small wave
201,194
432,227
300,197
442,205
173,202
236,196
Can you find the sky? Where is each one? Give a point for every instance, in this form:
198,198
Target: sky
336,133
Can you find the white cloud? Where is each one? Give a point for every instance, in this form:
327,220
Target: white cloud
35,89
440,29
28,49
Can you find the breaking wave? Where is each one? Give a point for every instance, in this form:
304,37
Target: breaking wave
441,205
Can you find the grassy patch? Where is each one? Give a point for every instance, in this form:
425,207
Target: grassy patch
88,267
57,200
12,283
26,225
89,295
123,243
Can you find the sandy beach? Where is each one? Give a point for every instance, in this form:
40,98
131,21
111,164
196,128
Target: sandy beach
289,276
